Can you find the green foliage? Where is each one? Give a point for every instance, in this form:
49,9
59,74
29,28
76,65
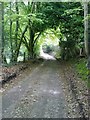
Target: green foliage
57,19
69,49
72,28
82,69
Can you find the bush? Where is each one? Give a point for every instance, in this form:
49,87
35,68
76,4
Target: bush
69,49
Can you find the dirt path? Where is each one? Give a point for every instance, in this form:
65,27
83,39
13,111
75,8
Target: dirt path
39,95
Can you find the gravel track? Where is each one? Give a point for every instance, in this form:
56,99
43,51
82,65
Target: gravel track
40,95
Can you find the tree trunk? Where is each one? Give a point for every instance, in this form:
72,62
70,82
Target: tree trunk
2,31
31,32
17,23
16,34
11,36
31,43
87,38
86,27
19,45
89,59
2,34
89,30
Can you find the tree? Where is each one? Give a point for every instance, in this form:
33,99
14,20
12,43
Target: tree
17,22
89,29
69,17
25,22
11,44
86,26
2,38
0,33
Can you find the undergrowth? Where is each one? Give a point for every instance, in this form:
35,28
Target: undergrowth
81,68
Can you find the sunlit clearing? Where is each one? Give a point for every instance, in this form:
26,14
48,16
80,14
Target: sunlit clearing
49,45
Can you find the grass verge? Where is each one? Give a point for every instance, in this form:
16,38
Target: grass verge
81,68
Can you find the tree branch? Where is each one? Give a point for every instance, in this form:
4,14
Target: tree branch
37,37
26,43
17,49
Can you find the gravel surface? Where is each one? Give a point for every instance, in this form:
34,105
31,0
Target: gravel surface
39,95
44,93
